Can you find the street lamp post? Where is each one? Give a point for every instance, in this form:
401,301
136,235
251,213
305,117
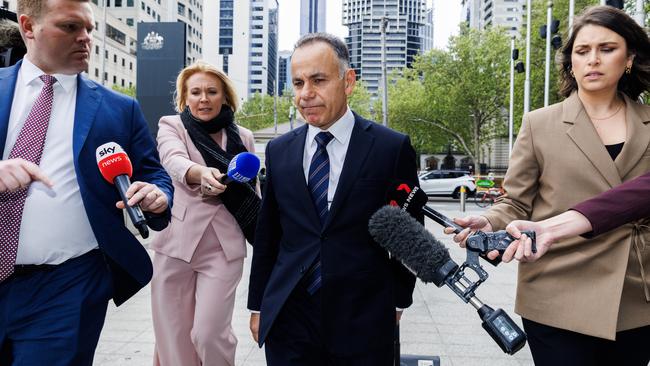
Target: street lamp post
103,55
547,68
639,14
275,108
571,12
384,104
527,80
512,94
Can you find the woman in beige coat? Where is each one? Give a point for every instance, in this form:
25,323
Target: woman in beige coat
199,257
585,301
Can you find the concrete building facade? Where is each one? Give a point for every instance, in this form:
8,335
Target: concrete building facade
312,16
403,36
241,38
506,13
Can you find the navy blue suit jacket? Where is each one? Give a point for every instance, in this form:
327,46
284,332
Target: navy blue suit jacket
361,286
101,116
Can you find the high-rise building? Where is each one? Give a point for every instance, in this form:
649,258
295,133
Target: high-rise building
403,40
506,13
113,54
241,38
284,71
312,16
426,32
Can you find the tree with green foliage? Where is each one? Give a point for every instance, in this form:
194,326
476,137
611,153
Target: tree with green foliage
360,101
130,91
257,112
456,95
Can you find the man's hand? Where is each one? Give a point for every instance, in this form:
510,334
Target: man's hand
471,224
255,326
150,197
20,173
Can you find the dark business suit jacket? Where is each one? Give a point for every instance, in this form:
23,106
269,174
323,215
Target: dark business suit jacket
102,116
361,286
625,203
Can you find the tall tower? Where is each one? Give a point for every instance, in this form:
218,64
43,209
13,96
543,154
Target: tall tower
312,16
484,13
241,38
403,37
426,32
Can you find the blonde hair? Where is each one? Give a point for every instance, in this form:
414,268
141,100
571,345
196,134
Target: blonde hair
180,95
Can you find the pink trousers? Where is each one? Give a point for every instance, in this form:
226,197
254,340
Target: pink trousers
192,306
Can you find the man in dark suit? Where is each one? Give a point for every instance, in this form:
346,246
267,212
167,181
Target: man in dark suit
321,290
64,249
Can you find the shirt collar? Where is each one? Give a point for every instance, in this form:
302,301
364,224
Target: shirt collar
341,129
31,72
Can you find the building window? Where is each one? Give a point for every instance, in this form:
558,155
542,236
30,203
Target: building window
96,50
129,3
106,54
130,65
96,72
105,76
129,22
142,4
181,9
118,3
122,83
114,79
123,62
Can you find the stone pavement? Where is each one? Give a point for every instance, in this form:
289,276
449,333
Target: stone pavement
438,323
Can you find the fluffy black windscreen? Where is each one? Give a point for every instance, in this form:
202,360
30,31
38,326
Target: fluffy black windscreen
408,241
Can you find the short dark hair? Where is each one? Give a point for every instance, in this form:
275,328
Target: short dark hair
337,45
636,39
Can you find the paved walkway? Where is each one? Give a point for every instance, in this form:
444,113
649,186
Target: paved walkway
438,323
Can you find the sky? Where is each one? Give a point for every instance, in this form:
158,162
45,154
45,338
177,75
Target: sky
447,17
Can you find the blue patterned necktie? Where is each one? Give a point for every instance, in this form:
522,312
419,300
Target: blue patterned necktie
318,182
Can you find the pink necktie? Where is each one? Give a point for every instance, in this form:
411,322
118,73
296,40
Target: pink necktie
29,146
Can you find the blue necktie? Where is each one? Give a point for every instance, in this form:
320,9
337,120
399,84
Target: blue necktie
318,182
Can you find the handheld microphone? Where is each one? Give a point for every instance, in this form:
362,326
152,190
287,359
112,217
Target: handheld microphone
242,168
413,199
116,168
409,242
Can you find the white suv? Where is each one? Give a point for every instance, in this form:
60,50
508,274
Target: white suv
446,182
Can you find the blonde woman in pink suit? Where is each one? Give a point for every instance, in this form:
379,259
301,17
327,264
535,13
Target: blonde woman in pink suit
199,258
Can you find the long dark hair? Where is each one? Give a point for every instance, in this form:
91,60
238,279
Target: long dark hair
638,80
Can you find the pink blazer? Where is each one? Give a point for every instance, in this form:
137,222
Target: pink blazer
191,213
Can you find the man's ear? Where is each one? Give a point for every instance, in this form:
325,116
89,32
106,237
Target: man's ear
350,81
26,24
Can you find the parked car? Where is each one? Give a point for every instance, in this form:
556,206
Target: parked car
447,182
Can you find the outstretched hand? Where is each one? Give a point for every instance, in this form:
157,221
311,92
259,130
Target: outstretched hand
470,224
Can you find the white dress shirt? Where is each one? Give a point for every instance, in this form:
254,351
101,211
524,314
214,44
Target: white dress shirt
336,149
54,226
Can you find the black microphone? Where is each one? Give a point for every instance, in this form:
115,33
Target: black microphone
419,251
412,199
115,166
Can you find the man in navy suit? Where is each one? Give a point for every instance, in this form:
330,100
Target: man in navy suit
64,249
322,292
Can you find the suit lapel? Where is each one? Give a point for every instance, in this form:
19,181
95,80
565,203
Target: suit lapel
8,78
637,140
88,100
296,152
360,143
583,134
